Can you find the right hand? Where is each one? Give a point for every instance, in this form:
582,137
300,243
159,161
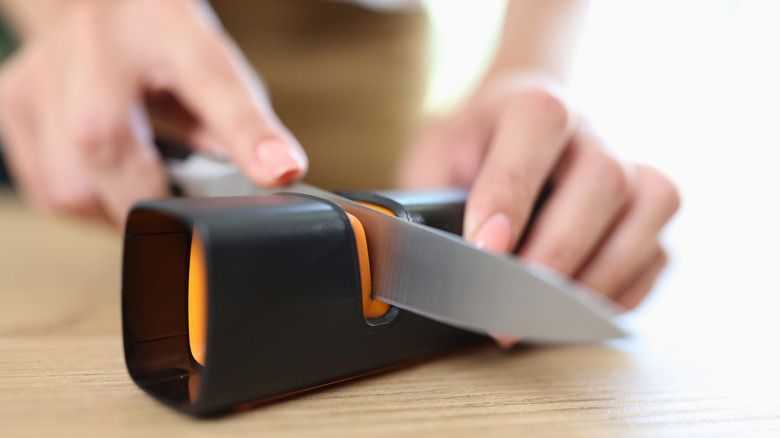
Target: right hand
76,133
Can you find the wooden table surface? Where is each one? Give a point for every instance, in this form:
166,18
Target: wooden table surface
62,371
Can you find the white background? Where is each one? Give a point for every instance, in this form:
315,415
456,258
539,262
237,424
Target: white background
692,87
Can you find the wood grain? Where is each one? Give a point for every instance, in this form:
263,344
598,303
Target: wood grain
62,371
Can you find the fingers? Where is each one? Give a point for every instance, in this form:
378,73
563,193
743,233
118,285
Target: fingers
66,122
636,291
595,219
631,245
68,185
204,69
19,139
595,207
77,137
172,122
123,165
591,188
448,153
105,124
529,138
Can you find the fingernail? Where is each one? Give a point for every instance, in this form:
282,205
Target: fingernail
282,162
494,234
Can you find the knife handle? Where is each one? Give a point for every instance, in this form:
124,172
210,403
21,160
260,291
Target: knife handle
279,283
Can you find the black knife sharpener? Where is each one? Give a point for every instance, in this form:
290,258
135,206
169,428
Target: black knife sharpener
282,306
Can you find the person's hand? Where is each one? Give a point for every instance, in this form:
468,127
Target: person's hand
75,129
516,139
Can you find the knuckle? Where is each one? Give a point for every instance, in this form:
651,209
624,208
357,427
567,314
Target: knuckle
615,178
87,140
72,199
539,103
661,190
630,305
559,254
95,134
86,136
671,195
514,180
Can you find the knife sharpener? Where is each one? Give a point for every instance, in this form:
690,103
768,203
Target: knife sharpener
231,302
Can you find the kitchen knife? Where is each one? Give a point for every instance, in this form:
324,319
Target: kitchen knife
437,274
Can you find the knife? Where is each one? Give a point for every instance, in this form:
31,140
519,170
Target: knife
437,274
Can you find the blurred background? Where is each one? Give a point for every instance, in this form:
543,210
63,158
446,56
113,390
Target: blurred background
689,86
692,87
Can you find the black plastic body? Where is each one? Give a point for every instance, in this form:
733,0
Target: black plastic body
284,298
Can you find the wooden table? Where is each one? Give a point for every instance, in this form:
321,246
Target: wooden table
62,371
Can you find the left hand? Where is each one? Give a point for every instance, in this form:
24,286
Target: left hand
601,221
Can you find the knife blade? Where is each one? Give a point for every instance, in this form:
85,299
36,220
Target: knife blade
439,275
